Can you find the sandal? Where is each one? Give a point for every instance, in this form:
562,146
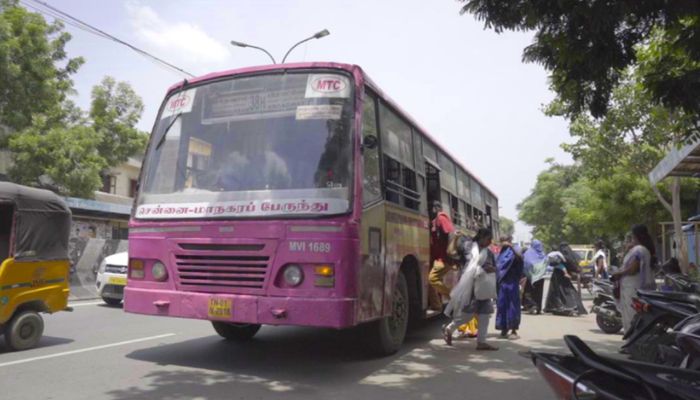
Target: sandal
447,335
486,346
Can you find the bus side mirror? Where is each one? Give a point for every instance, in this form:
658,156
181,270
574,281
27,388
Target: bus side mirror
369,142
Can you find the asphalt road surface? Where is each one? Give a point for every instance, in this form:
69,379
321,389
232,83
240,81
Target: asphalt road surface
100,352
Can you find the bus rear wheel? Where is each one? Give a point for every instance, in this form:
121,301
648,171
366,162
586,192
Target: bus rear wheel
24,330
385,336
235,332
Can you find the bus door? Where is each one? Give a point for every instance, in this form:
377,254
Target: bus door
432,176
433,192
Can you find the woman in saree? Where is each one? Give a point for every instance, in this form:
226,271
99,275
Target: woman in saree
510,271
562,297
535,266
636,272
464,301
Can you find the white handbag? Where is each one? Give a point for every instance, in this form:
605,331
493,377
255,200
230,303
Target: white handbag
484,285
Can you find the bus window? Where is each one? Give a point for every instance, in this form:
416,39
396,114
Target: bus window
432,175
448,173
445,200
417,152
396,136
454,206
371,183
429,152
392,175
411,195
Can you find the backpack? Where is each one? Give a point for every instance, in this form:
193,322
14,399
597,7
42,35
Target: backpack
455,245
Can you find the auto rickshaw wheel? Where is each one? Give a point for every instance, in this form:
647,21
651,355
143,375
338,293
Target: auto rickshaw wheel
24,330
112,302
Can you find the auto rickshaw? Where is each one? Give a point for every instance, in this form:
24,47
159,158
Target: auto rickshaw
34,230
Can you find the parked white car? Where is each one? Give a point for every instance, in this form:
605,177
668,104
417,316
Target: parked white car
111,278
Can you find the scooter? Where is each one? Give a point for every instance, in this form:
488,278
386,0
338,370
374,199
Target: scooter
680,283
608,317
685,353
657,313
587,374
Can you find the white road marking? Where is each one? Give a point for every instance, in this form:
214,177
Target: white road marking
92,303
68,353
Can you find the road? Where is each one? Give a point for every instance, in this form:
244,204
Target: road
100,352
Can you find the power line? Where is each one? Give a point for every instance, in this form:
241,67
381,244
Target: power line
54,12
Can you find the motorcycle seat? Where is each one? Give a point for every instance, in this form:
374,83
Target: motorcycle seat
681,297
584,353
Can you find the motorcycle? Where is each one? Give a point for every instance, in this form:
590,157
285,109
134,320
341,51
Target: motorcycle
608,317
587,374
657,314
685,353
677,282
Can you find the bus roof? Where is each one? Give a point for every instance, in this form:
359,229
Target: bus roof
355,69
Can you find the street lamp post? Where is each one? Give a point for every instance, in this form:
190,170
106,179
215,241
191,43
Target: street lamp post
241,44
317,35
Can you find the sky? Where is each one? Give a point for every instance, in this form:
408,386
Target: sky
465,84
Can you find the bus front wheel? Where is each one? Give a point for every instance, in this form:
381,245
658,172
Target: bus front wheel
386,335
235,332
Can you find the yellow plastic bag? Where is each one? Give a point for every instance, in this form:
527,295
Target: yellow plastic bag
470,328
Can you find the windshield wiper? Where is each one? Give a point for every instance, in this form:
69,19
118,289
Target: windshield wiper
167,129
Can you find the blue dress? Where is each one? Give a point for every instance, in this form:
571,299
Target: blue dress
510,270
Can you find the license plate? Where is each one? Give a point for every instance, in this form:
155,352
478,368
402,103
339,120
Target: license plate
117,280
220,308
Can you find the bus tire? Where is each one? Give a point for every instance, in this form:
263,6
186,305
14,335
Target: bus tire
235,332
24,330
386,335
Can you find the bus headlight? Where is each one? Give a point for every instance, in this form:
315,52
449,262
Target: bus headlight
159,272
293,275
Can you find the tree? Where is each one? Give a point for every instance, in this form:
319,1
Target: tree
31,82
545,207
75,153
630,140
50,139
507,226
67,156
588,45
115,111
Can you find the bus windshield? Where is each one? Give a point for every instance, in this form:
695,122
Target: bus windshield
263,145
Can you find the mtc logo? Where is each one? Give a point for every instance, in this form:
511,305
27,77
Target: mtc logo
325,85
179,102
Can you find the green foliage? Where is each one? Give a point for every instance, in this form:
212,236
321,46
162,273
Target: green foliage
67,156
507,226
31,83
588,45
610,190
583,209
73,154
545,207
115,111
51,141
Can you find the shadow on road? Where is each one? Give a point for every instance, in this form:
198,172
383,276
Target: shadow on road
302,363
45,341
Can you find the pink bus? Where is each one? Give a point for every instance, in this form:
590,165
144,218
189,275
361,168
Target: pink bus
292,194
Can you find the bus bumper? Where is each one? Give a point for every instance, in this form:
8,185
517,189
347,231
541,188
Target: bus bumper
239,308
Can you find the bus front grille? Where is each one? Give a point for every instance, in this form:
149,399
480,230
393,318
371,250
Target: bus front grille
222,268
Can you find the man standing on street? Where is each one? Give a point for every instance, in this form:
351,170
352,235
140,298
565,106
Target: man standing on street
440,229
